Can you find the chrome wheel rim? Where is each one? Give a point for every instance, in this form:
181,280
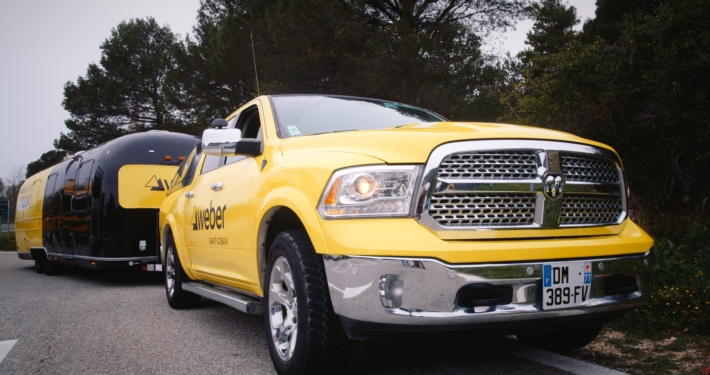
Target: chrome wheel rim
170,271
283,309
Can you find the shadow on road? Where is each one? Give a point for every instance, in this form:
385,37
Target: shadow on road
106,278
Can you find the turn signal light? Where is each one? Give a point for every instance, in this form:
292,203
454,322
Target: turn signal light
332,196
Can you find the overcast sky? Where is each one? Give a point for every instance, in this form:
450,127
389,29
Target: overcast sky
45,43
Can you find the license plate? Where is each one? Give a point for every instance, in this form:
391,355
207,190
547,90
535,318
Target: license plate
566,284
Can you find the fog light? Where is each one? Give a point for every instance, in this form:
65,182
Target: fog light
391,291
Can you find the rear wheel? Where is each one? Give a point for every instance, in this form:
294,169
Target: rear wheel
303,332
563,341
51,268
39,262
174,278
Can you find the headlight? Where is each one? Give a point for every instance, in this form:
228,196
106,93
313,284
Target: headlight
377,191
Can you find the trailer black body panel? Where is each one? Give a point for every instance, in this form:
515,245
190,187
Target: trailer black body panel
83,221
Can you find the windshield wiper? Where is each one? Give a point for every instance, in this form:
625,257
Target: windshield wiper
336,131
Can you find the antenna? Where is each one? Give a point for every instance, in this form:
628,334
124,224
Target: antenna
254,56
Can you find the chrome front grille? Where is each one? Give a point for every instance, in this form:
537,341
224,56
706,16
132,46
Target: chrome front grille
519,184
490,165
590,209
461,210
588,169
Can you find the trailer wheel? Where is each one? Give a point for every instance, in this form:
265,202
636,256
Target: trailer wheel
40,259
174,277
303,333
51,268
563,341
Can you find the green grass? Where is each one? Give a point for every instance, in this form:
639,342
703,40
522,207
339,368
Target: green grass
680,292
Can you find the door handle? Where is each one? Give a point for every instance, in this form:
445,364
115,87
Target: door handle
190,194
217,186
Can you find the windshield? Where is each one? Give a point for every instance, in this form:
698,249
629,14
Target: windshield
307,115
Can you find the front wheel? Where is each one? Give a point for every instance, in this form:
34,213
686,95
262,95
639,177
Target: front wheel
563,341
304,334
174,278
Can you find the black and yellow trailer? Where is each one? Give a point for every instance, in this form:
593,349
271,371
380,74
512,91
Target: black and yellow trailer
99,208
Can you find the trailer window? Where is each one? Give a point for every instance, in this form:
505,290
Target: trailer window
83,180
49,189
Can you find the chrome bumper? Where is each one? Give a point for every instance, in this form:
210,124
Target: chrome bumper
406,291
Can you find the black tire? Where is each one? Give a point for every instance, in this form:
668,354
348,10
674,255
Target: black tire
174,276
563,341
40,259
51,268
321,346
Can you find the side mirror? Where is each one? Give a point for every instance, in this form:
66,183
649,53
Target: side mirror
220,142
229,142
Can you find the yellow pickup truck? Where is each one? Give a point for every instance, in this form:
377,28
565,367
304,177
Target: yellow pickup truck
344,218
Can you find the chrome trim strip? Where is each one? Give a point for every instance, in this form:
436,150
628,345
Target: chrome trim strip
547,210
102,259
473,265
358,289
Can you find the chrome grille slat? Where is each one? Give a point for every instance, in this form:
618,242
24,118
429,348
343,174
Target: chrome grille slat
588,169
585,209
483,209
473,189
489,165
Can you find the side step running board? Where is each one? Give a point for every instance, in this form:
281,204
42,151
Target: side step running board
239,302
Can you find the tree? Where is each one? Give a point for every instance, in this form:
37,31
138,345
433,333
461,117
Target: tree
45,161
417,51
214,72
610,15
428,53
552,30
13,183
125,91
647,94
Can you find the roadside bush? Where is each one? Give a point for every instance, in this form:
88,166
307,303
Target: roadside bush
7,244
680,295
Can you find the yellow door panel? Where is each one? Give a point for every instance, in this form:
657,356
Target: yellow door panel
219,225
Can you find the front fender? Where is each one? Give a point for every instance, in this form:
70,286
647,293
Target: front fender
178,237
296,201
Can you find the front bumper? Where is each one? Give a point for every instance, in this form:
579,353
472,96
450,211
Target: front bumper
364,290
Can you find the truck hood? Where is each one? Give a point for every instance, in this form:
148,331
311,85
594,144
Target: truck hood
413,143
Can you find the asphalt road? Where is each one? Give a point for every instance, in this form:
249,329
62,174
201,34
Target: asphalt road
105,322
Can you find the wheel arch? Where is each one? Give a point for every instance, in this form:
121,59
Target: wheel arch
286,209
169,229
38,252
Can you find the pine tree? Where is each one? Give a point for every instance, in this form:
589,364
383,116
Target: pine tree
125,91
45,161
